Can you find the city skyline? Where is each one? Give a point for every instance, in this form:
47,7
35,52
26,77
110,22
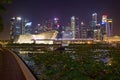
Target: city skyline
43,9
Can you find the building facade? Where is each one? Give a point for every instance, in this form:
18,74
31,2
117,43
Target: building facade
19,26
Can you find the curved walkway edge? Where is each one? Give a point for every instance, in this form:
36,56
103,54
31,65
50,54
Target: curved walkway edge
27,73
12,67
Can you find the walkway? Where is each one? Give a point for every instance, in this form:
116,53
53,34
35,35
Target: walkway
12,67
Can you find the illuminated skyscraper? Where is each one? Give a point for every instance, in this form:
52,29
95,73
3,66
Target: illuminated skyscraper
12,21
27,27
104,19
57,26
16,27
49,24
97,32
109,27
73,26
77,28
83,30
95,27
103,24
19,26
94,19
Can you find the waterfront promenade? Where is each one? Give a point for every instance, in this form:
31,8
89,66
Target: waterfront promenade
12,67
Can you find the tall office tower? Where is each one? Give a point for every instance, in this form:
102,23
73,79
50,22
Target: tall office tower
16,27
73,26
67,34
12,22
77,28
94,19
27,27
48,24
55,24
109,27
37,29
104,19
103,25
97,32
19,26
83,30
95,27
90,32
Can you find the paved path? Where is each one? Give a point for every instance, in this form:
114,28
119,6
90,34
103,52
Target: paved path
9,68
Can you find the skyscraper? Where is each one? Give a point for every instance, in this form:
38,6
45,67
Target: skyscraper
73,26
104,19
27,27
77,27
57,26
103,25
49,24
94,19
19,26
55,23
109,27
83,30
16,27
95,27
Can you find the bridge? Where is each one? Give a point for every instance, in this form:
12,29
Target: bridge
12,67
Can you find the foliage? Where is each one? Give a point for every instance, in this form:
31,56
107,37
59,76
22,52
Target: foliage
1,24
85,63
2,10
6,1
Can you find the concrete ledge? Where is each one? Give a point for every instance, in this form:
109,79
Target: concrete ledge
26,72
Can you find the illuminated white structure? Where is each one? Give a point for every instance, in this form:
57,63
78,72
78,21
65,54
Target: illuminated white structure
42,38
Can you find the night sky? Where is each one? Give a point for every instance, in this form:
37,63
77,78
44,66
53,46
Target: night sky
37,10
